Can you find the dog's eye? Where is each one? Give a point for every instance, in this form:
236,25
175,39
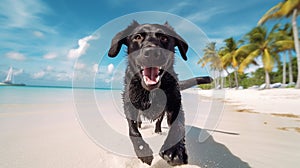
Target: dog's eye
138,37
164,39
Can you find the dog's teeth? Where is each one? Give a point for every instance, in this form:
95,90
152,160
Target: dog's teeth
157,79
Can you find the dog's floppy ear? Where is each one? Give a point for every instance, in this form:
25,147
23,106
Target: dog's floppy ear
182,46
120,39
179,42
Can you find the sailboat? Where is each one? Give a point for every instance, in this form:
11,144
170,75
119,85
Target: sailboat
9,79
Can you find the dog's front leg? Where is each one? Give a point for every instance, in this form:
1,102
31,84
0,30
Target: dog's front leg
173,150
141,148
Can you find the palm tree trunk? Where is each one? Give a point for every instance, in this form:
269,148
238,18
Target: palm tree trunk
236,79
229,78
267,80
297,45
291,78
216,79
284,69
222,79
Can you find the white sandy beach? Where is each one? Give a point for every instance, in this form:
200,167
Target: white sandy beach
279,101
51,130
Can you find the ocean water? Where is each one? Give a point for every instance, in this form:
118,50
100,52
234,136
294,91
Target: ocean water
28,95
18,97
35,94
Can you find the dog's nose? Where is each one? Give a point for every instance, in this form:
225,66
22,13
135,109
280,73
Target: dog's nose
152,57
152,52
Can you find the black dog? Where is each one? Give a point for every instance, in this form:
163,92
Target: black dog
152,86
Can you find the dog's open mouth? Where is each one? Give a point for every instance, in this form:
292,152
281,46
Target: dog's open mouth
151,75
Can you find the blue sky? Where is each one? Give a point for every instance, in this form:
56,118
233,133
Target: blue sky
43,40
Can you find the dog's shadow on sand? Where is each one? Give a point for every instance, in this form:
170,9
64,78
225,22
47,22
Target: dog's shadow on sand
209,153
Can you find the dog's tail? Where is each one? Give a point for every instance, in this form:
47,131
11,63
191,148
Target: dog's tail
185,84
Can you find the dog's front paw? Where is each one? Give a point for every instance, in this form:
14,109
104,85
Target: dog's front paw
143,151
146,159
176,155
145,154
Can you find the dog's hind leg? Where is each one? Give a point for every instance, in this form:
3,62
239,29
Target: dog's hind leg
139,120
158,123
184,84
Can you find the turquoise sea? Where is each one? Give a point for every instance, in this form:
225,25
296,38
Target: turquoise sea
32,98
25,95
38,94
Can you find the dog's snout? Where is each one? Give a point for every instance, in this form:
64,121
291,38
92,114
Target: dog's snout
152,52
152,57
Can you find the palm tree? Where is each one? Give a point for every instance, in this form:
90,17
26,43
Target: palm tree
286,9
211,57
260,43
284,43
229,57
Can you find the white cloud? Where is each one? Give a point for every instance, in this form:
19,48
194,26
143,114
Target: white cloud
205,15
108,80
15,56
64,76
18,72
219,42
178,7
79,65
50,56
253,68
232,30
38,34
110,68
38,75
49,68
110,74
82,46
23,14
95,68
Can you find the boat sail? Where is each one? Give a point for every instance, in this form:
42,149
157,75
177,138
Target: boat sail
9,79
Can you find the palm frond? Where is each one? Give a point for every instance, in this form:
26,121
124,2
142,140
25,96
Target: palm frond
267,60
249,59
282,9
270,14
284,45
245,50
288,7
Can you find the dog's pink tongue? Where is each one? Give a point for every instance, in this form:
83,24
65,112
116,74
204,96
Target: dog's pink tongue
151,75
